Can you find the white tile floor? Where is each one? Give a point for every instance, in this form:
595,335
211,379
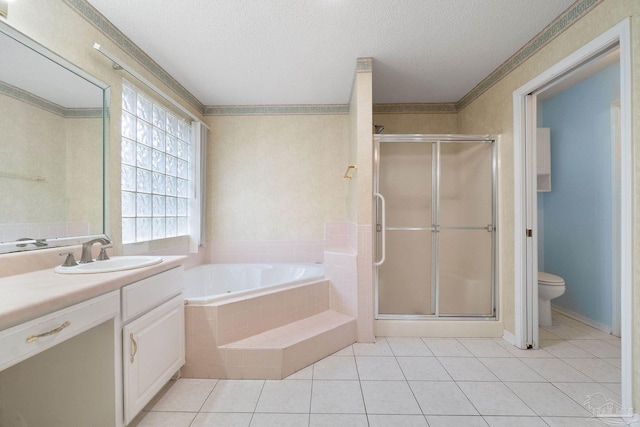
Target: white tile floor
415,382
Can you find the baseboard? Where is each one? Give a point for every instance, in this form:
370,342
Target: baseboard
509,337
438,328
580,318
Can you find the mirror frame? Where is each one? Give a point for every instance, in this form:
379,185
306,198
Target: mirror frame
57,242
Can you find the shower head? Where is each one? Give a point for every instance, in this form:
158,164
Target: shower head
378,128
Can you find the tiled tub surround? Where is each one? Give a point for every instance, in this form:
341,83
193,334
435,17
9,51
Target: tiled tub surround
348,261
341,268
214,282
268,335
346,253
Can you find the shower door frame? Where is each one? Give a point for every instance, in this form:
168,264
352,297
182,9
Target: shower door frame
436,140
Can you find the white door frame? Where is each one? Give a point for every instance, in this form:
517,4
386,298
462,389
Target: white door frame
615,224
525,197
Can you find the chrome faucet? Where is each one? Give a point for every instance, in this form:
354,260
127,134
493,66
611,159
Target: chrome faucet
86,249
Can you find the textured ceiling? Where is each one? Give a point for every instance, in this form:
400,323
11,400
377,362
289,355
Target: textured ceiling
259,52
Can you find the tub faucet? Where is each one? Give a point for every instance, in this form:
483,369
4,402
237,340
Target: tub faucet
86,249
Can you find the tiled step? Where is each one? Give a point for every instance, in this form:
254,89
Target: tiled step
279,352
244,317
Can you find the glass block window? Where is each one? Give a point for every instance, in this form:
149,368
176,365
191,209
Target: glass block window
156,169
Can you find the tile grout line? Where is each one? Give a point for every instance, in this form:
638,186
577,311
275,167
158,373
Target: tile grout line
206,398
313,374
501,382
407,381
471,355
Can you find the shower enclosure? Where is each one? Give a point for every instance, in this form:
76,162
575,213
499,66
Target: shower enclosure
435,226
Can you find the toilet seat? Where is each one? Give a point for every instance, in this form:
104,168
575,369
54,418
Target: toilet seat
548,279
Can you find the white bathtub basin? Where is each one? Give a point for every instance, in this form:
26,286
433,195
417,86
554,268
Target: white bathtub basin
114,264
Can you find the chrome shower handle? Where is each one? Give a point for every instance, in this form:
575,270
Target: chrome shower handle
383,229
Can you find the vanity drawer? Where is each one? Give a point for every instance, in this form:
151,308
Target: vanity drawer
30,338
148,293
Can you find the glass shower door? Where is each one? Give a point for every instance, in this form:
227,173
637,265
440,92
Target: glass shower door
405,179
466,229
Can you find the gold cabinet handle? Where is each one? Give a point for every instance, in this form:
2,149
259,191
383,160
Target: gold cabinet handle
32,338
135,347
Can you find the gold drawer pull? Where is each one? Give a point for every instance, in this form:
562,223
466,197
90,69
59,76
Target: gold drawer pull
32,338
135,347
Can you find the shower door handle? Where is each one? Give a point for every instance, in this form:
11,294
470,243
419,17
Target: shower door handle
383,228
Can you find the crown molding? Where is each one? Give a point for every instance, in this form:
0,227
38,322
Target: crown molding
44,104
274,110
430,108
94,17
363,65
543,38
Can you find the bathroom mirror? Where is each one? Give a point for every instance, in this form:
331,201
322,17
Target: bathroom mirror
52,127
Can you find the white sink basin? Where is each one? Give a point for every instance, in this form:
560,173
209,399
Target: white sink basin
114,264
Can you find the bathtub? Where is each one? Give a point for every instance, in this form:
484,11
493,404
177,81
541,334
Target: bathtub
210,283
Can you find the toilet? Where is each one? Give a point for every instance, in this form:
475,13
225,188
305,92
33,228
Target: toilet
550,286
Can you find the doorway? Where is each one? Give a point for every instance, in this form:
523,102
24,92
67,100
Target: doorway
526,259
576,198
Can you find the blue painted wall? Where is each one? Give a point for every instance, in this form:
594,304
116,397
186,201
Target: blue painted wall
576,214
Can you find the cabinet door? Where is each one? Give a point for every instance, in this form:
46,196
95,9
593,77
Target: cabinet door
153,350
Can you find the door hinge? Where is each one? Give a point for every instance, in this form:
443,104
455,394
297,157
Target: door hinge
529,232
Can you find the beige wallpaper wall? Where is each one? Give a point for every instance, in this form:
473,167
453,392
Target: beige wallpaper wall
276,177
38,152
75,43
84,171
417,123
492,112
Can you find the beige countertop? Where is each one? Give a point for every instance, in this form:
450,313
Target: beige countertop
27,296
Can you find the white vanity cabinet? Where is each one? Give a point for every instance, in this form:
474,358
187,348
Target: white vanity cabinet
61,369
152,337
28,339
